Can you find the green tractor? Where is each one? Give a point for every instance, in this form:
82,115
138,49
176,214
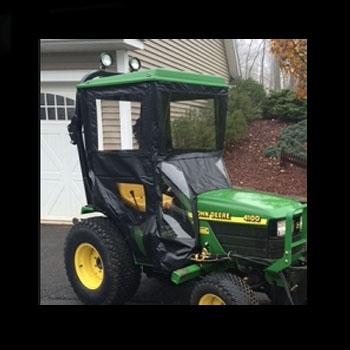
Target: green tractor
171,212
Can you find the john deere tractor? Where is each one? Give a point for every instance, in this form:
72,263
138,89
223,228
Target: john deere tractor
169,212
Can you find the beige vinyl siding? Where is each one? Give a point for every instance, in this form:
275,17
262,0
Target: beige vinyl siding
71,61
196,55
135,114
179,109
111,124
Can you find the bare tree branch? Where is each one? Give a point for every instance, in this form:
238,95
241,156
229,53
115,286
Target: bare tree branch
256,56
247,58
262,63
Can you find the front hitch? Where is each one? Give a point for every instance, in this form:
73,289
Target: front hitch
272,272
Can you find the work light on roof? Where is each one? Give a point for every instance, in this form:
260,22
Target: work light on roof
134,64
106,60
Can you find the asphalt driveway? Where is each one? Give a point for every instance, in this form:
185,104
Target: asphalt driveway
56,290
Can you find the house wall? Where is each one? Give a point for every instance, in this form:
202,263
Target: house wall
196,55
111,124
70,60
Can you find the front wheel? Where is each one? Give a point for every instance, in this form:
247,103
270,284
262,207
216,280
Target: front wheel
222,289
99,263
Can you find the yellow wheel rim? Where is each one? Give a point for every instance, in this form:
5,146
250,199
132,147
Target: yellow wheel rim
211,299
88,266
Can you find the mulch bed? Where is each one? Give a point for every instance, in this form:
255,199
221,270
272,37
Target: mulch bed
249,168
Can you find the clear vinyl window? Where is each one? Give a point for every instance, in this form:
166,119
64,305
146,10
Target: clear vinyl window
116,130
192,124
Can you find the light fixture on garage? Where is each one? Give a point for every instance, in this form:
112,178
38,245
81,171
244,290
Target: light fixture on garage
106,60
134,64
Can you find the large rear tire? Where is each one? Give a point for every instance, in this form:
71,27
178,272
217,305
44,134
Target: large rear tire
99,263
222,289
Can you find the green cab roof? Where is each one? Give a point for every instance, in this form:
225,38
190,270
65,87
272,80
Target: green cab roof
157,74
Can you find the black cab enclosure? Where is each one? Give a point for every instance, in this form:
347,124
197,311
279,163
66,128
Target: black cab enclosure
130,186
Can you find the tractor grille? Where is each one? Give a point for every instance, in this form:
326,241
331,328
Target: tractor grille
253,240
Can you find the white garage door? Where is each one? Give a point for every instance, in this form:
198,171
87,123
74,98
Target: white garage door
62,191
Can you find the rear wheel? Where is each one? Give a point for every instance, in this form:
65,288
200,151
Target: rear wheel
222,289
99,263
88,266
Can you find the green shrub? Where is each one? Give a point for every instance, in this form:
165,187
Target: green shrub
247,96
196,129
291,140
284,105
236,126
240,102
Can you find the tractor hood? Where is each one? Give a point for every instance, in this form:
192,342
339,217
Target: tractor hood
245,204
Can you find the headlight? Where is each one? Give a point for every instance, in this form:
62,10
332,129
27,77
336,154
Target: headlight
106,60
301,223
134,64
281,228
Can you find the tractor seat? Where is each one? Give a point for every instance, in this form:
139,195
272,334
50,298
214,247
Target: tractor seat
134,196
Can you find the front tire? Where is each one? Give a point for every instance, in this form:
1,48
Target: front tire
99,263
222,289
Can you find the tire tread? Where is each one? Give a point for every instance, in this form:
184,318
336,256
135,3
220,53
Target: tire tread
235,289
125,275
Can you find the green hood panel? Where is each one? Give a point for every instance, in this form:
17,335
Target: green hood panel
239,203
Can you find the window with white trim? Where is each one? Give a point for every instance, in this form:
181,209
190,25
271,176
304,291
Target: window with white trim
56,107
